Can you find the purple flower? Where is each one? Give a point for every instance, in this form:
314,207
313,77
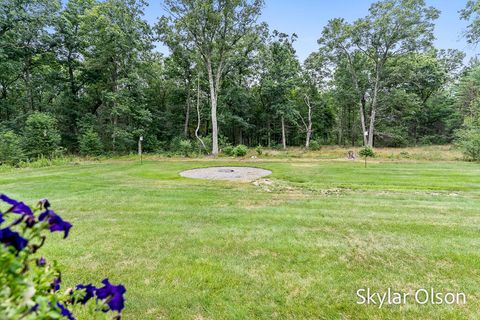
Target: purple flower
41,262
65,312
113,294
12,238
89,292
55,285
1,218
44,203
17,207
30,221
55,222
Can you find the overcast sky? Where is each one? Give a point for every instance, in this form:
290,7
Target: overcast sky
308,17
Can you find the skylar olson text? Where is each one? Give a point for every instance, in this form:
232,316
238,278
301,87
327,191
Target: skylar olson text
421,296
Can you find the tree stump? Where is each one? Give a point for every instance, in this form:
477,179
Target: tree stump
350,155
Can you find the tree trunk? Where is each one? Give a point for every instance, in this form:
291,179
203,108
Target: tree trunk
71,77
198,116
362,121
309,122
187,115
115,116
269,140
374,106
307,142
362,97
340,129
213,103
114,134
284,140
28,85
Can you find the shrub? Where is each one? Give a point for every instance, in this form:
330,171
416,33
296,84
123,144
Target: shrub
240,150
90,143
366,152
175,144
259,150
185,147
42,137
30,284
124,141
405,154
11,151
314,145
468,141
228,150
181,146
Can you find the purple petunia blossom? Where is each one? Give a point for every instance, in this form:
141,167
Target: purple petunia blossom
41,262
89,292
65,312
30,221
55,285
44,203
55,222
12,238
114,294
17,207
34,308
1,218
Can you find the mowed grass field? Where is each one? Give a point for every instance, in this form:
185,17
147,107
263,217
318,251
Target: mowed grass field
296,249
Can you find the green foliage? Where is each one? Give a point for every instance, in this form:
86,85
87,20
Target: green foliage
181,146
92,64
90,143
240,150
366,152
314,145
11,150
259,150
41,136
196,24
31,285
389,24
277,146
468,141
185,147
228,150
471,13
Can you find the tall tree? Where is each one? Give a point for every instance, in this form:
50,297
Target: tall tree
280,75
71,45
24,44
471,13
313,79
392,27
119,42
217,29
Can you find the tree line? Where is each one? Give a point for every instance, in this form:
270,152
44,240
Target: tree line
86,76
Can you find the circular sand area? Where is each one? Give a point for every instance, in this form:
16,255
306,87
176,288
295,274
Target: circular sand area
226,173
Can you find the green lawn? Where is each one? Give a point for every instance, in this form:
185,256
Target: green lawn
299,249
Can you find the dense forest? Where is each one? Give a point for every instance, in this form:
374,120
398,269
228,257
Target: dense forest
86,76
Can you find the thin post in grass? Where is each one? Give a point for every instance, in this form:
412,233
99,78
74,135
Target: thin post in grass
140,149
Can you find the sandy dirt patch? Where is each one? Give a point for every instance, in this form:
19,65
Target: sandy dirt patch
226,173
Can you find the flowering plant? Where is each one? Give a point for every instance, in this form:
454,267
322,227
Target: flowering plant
29,285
